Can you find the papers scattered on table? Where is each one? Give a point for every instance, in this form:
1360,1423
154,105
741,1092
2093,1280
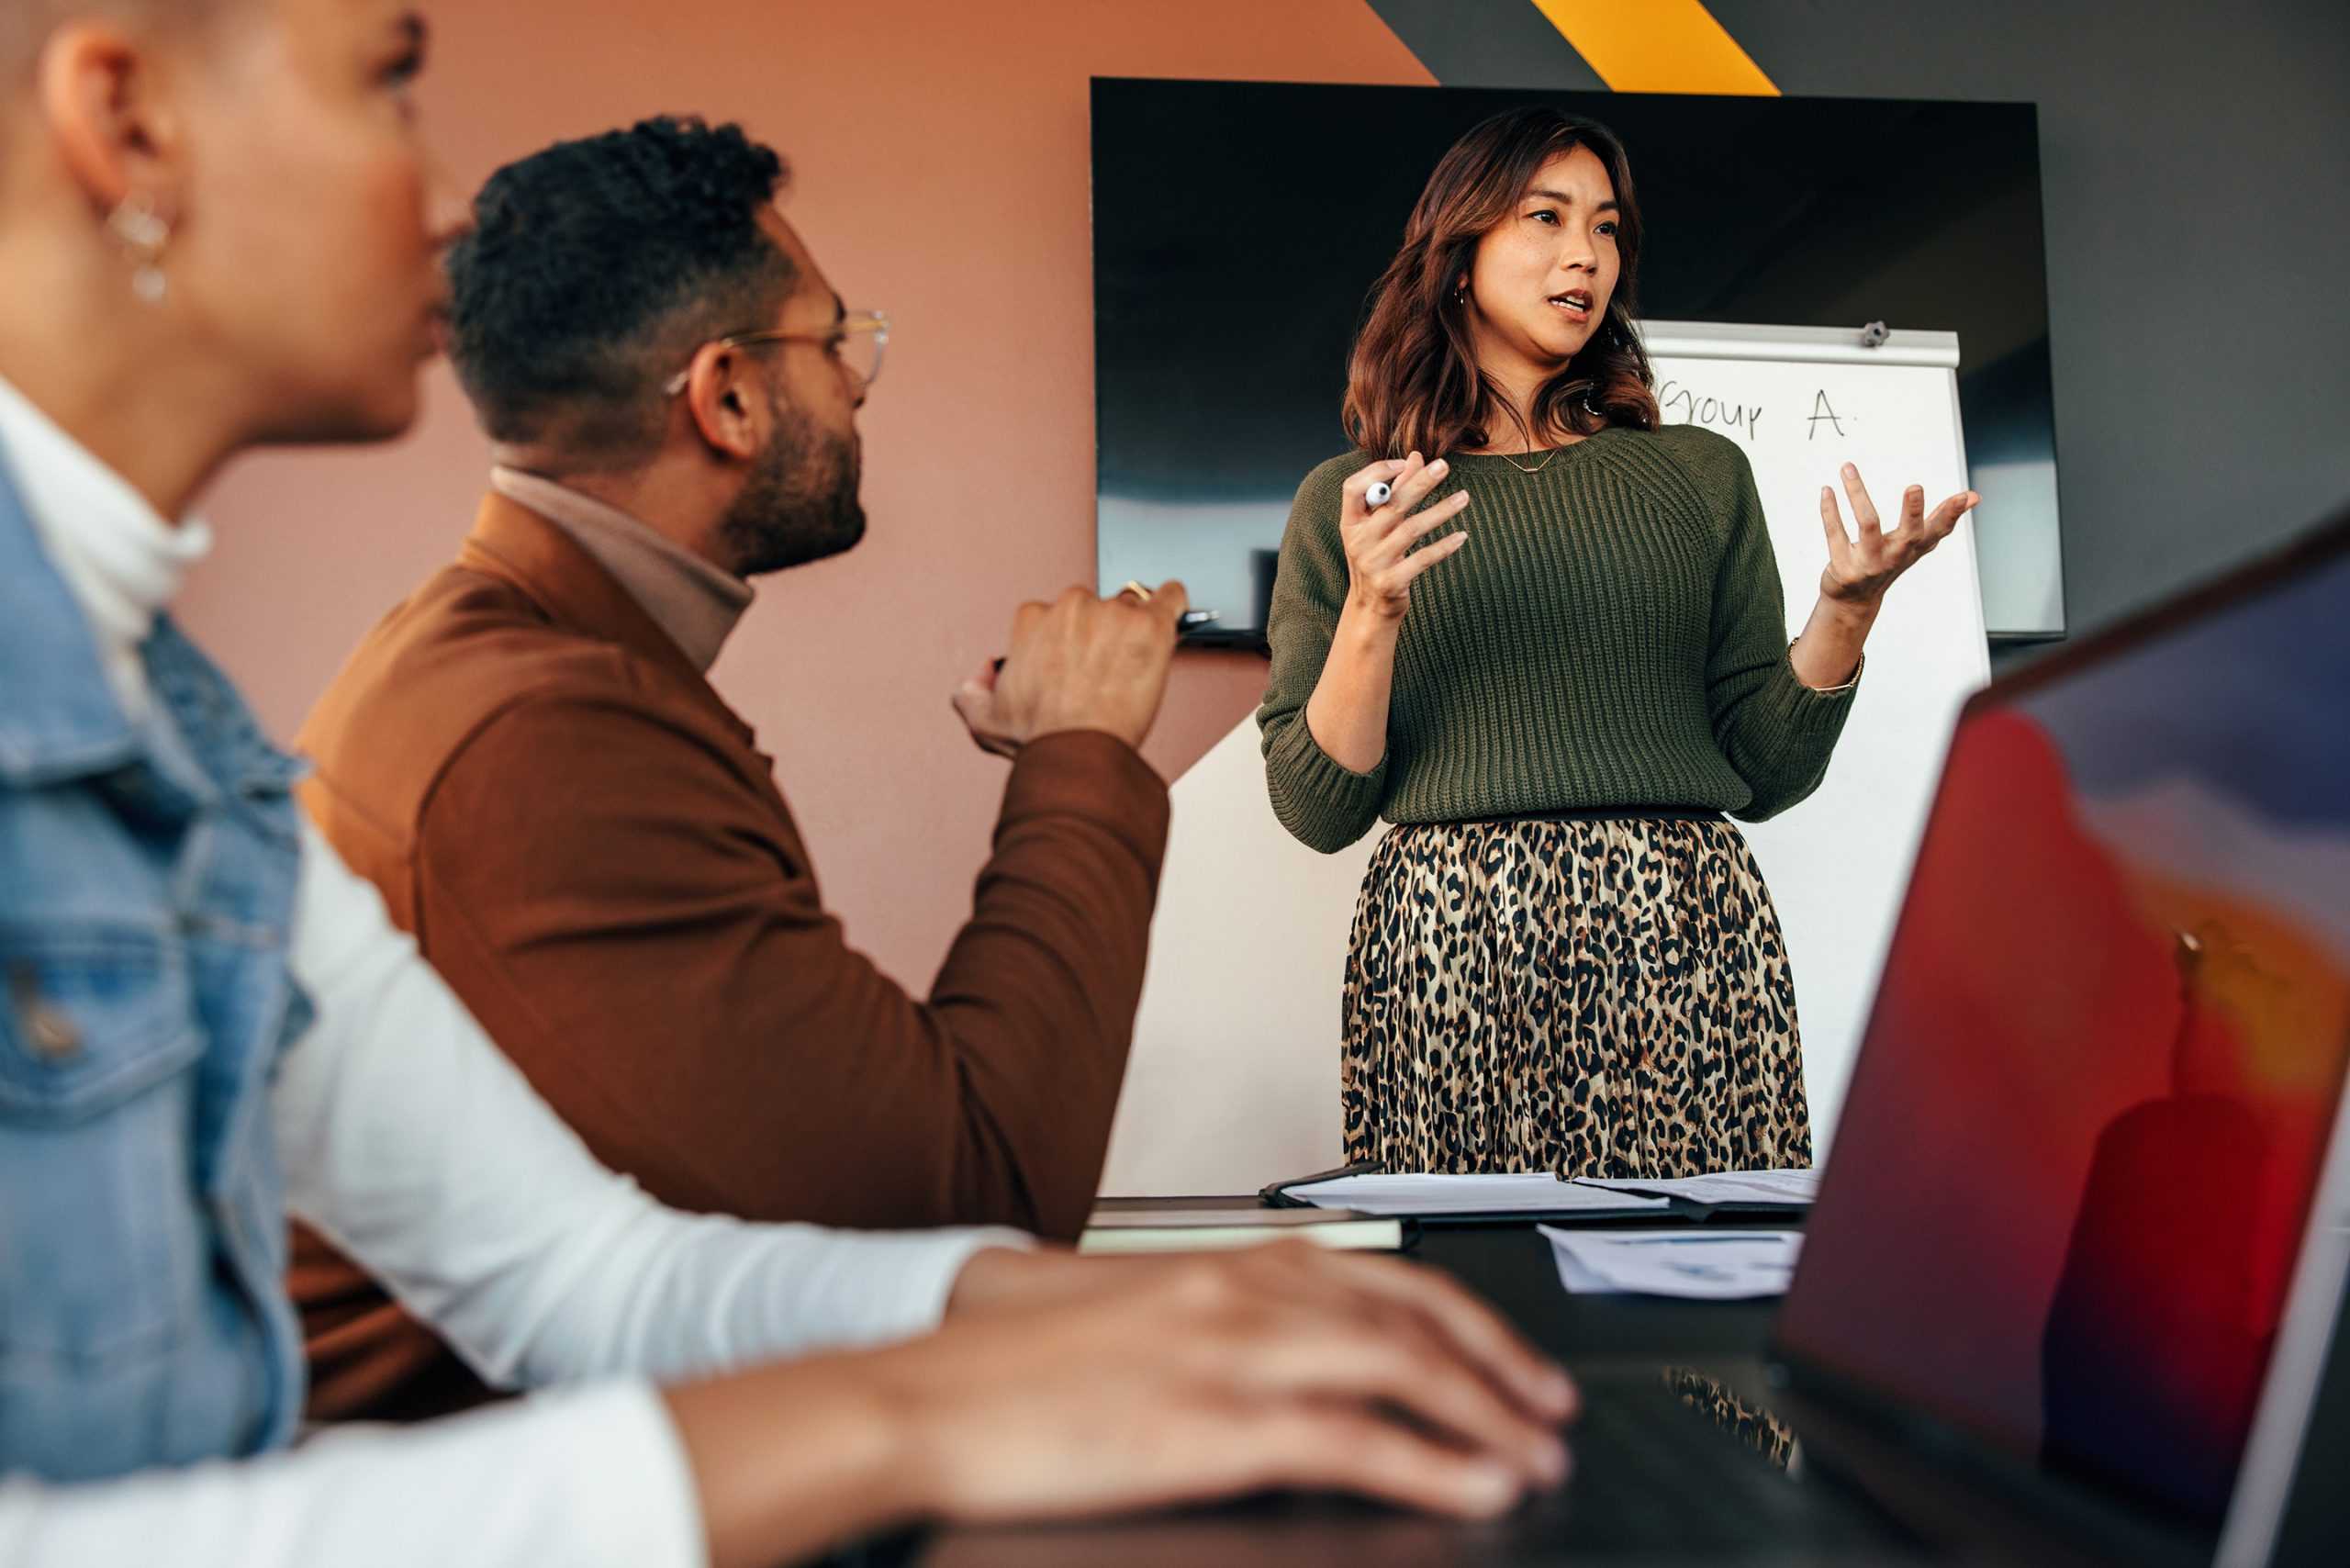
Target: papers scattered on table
1780,1189
1698,1264
1434,1196
1421,1194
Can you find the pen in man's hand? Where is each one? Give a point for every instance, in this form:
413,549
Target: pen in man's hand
1188,620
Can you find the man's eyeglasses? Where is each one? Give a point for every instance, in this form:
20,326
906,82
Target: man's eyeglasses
856,340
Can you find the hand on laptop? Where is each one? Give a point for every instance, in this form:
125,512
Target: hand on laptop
1062,1388
1081,663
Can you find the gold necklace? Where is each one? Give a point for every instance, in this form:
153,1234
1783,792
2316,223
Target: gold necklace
1553,452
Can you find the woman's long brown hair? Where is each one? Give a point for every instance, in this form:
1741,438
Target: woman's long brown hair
1412,383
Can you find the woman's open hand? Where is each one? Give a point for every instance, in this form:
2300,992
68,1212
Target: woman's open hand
1860,569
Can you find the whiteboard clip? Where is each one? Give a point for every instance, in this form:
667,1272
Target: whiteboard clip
1873,336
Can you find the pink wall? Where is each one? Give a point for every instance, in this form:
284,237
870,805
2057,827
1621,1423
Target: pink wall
940,167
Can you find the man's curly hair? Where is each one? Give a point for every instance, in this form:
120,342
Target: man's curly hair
594,269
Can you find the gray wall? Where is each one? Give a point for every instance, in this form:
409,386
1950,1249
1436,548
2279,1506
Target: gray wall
2196,169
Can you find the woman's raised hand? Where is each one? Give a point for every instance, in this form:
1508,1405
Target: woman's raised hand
1380,563
1860,569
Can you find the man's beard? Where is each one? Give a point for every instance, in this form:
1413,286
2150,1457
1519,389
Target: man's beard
799,503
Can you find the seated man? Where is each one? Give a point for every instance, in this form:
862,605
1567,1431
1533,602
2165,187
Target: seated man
526,759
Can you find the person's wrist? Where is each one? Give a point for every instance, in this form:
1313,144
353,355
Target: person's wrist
884,1470
997,1277
886,1429
1076,722
916,1401
1368,617
801,1455
987,1277
903,1431
1853,614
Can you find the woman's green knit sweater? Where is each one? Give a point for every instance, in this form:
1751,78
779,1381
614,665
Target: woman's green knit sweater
1613,635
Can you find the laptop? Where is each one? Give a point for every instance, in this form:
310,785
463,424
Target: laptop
2073,1287
2083,1234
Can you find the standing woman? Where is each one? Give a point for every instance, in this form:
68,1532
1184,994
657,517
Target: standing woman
1563,956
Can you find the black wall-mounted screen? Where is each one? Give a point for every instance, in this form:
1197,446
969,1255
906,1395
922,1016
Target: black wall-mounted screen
1237,227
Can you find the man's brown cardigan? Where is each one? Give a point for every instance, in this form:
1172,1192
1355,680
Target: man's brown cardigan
587,845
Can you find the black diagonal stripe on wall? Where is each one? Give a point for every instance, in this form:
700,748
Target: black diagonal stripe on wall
1487,43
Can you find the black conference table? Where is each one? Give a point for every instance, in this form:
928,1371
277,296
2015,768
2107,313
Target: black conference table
1633,1497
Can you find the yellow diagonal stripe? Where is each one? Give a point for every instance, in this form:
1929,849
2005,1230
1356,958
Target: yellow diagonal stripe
1656,46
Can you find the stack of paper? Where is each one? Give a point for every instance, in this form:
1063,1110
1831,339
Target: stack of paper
1699,1263
1775,1189
1422,1193
1435,1196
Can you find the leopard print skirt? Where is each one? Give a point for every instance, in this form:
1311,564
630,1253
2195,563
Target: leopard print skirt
1597,997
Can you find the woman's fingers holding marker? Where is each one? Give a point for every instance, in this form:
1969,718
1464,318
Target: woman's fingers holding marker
1420,561
1413,485
1387,546
1402,540
1358,485
1428,519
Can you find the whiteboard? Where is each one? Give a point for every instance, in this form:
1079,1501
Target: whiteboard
1802,402
1233,1082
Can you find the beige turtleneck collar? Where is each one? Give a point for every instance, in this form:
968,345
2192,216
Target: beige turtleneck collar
692,600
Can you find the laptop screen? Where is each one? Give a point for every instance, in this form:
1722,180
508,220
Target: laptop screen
2082,1139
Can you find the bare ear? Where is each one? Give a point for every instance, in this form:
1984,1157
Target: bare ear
102,96
720,398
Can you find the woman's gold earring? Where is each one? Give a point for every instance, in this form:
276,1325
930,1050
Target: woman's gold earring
140,226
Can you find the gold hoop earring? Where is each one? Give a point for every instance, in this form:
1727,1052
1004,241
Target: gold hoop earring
146,234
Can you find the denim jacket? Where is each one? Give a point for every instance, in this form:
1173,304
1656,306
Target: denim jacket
147,883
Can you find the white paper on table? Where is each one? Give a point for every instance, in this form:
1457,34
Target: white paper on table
1697,1263
1428,1194
1784,1187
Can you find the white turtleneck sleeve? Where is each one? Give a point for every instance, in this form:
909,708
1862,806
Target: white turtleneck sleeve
415,1146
